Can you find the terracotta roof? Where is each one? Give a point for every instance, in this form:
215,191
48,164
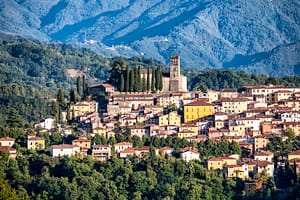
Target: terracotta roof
297,152
36,138
144,148
192,149
129,150
63,146
264,153
220,158
7,139
198,103
263,163
166,148
123,144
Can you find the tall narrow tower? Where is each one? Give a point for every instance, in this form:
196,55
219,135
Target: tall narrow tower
174,83
174,67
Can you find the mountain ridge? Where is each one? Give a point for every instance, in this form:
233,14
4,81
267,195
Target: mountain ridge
204,33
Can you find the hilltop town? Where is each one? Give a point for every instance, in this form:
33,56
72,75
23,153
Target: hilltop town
252,120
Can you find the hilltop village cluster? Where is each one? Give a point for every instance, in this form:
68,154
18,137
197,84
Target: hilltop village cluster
250,116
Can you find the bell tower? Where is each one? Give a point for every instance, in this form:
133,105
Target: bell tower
174,67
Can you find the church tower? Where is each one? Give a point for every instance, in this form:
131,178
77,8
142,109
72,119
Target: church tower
174,67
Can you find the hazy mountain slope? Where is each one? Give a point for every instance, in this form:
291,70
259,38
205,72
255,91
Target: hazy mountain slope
205,33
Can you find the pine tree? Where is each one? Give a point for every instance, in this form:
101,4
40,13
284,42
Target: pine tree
78,86
127,78
148,80
122,83
14,119
135,87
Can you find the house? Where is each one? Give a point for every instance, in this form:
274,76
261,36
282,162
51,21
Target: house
83,107
233,105
264,165
196,110
189,153
7,141
260,143
166,151
101,89
193,127
122,146
220,162
34,142
264,155
186,134
294,155
83,143
142,151
12,151
101,152
100,131
127,152
64,150
237,171
47,123
252,186
171,118
138,130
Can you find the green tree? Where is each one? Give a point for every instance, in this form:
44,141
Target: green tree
72,96
122,83
148,80
144,85
14,119
117,68
78,85
61,97
153,81
127,81
84,86
131,85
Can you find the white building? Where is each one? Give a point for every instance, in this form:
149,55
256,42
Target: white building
47,123
122,146
7,141
64,150
189,153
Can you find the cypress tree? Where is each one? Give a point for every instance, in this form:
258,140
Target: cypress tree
160,87
122,83
78,85
157,81
131,85
72,96
127,78
61,97
84,86
153,81
139,79
148,80
144,85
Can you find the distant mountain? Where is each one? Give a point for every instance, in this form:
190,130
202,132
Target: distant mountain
256,36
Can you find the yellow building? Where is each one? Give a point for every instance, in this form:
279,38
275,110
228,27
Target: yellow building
34,142
169,119
197,110
100,131
220,162
84,107
237,171
186,133
294,155
234,105
191,127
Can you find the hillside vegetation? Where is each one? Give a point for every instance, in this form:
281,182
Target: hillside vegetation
245,35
